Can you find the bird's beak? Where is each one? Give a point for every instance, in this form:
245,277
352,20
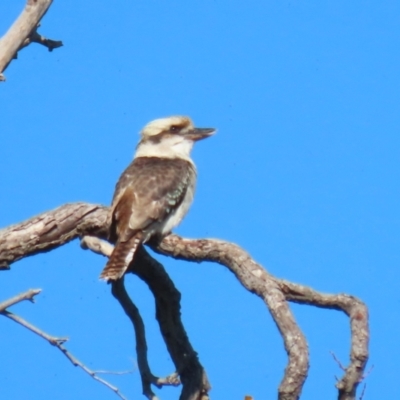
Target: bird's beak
200,133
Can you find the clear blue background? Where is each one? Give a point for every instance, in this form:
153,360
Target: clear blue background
303,174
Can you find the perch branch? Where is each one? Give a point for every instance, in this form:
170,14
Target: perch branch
50,230
23,32
70,221
54,341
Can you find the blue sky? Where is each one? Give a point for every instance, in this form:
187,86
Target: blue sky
303,173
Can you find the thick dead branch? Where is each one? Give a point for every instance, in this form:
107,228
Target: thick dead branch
119,292
257,280
56,227
50,230
358,313
195,385
23,32
54,341
194,379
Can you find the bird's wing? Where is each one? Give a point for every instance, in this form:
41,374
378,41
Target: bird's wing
147,191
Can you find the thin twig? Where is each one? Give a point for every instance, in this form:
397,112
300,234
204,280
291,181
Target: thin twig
28,295
51,339
113,372
365,376
58,342
337,361
363,391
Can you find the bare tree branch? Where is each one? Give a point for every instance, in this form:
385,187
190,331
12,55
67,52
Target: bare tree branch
257,280
119,292
50,230
35,37
54,341
194,379
56,227
28,295
358,313
23,32
97,245
101,371
195,384
51,339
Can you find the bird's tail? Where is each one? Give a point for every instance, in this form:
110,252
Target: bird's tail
120,258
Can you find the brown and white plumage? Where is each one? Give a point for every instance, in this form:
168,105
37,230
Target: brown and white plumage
155,192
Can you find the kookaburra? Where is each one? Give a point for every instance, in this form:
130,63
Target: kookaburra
154,193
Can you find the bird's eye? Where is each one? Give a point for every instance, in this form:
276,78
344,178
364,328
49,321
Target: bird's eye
175,128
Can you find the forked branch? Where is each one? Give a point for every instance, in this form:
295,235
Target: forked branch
257,280
28,295
70,221
195,385
58,342
24,32
148,379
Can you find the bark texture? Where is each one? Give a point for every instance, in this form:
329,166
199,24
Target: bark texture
23,32
89,222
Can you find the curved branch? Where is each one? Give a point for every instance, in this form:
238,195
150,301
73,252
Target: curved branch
358,313
257,280
167,297
56,227
119,292
195,385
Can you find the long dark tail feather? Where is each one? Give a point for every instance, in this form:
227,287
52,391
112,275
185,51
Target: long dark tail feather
120,258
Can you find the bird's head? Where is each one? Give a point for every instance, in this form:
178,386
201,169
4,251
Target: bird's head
170,137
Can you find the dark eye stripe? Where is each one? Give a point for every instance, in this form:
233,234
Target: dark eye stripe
175,128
